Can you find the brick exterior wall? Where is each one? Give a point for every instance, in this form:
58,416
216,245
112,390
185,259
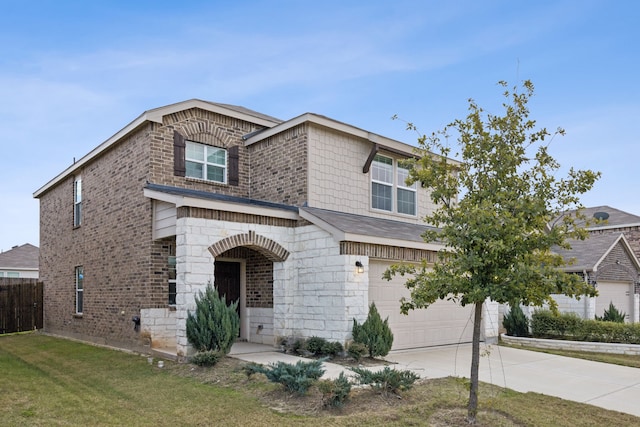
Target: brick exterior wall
279,167
125,271
259,276
206,128
632,234
113,244
617,266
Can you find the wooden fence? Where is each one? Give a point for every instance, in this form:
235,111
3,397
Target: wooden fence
20,305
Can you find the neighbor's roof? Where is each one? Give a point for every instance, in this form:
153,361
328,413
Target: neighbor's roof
23,257
589,253
156,115
616,218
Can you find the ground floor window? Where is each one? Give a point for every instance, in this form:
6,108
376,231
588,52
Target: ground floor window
172,275
79,289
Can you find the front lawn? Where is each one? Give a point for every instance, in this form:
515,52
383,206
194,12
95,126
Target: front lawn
50,381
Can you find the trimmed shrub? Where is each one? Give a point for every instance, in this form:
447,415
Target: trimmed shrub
612,315
374,333
294,345
205,358
515,322
314,345
295,378
545,324
335,392
331,349
386,380
357,350
215,325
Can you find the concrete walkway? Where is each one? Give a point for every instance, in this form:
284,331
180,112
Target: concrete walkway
600,384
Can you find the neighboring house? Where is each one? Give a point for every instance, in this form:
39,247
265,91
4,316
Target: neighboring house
609,260
297,219
20,262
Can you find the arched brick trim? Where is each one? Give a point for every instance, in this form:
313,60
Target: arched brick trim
267,247
206,133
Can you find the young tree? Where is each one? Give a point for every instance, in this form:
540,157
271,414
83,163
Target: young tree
496,236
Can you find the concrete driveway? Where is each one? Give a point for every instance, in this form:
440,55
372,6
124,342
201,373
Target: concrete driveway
600,384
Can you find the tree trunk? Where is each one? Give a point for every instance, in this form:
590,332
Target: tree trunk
472,408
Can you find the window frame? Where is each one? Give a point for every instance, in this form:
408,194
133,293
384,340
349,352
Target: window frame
77,201
396,185
205,164
79,290
172,280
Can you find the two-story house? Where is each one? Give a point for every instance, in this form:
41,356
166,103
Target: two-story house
297,219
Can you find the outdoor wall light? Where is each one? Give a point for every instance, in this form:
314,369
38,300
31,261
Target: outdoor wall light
359,267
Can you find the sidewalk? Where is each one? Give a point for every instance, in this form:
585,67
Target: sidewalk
608,386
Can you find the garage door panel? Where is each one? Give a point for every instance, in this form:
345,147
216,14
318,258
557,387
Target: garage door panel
444,322
618,293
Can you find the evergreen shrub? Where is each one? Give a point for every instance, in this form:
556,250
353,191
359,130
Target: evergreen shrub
515,322
214,325
374,333
386,380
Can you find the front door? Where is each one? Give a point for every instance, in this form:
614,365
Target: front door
227,280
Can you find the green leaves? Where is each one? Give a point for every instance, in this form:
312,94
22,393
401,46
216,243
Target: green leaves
498,231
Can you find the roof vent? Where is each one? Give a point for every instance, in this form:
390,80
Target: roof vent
601,216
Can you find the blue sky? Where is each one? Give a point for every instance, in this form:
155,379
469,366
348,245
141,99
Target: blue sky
73,73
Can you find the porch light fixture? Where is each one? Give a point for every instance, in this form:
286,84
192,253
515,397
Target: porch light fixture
359,267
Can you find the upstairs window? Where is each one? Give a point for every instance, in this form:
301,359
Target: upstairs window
406,194
79,290
77,201
389,192
206,162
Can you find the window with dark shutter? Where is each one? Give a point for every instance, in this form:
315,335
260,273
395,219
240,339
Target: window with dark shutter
234,165
178,154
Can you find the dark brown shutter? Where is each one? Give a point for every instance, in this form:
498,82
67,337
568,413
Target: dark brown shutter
178,154
234,165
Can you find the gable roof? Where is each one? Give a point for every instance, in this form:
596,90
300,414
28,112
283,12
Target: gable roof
616,218
23,257
156,115
385,143
589,253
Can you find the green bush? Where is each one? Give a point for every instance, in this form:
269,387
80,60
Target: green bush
374,333
612,315
314,345
335,392
294,345
205,358
214,326
545,324
386,380
357,350
331,349
515,322
295,378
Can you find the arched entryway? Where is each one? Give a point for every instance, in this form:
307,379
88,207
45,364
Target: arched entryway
243,270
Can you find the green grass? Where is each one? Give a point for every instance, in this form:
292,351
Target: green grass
47,381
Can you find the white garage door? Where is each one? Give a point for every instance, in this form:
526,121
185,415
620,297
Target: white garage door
618,293
442,323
